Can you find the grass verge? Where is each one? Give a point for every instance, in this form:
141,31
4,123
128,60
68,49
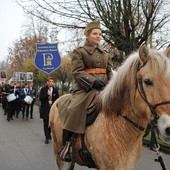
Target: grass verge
164,147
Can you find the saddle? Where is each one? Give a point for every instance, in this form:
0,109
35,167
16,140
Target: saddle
92,113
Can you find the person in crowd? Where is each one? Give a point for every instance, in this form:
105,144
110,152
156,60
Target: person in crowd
4,95
91,70
17,101
12,91
48,94
25,104
33,95
21,97
1,94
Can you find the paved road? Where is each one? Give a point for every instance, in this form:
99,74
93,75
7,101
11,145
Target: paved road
22,147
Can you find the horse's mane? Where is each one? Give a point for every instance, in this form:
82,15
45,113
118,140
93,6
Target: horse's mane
120,91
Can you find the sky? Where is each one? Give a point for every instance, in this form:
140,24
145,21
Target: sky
12,19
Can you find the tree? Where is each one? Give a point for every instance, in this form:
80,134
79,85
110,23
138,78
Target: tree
63,73
35,31
126,23
23,49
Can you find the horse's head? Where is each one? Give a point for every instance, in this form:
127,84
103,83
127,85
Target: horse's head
142,88
153,85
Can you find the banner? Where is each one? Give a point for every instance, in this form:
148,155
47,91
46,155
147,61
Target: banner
29,76
47,57
3,74
22,76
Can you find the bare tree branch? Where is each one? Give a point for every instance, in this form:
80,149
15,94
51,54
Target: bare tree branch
126,23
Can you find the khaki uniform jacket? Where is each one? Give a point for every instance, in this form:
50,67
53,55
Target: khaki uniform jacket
83,58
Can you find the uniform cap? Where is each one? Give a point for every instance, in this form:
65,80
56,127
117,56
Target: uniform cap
92,25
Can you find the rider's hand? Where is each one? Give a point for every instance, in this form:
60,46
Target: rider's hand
98,84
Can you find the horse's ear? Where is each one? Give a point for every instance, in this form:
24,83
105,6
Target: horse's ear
143,53
167,51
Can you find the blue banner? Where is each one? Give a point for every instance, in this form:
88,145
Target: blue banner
47,57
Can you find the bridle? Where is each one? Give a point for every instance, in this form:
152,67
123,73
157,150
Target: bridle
155,119
152,107
153,123
155,114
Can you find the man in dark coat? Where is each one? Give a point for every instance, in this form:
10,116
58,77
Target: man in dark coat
48,94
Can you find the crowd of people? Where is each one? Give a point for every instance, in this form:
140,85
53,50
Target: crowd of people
18,99
15,100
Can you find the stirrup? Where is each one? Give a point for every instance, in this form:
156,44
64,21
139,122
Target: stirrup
64,152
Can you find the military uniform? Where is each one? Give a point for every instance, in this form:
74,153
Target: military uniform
91,70
89,63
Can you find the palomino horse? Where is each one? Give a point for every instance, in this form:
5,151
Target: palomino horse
138,94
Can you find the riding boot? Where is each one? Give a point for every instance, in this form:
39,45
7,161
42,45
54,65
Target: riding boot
64,152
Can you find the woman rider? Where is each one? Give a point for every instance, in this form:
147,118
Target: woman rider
91,70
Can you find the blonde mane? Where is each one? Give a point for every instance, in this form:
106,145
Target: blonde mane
121,89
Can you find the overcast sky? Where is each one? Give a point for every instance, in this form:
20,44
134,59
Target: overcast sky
12,19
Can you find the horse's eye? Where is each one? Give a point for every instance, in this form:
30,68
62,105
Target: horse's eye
148,82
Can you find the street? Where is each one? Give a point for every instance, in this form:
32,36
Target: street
22,147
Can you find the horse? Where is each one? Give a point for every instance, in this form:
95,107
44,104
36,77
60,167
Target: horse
138,95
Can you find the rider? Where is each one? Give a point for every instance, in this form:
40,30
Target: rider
91,70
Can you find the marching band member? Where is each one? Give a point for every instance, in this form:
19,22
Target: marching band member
17,101
33,95
26,105
4,99
11,89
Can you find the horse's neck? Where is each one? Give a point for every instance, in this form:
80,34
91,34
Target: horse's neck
138,119
116,127
115,138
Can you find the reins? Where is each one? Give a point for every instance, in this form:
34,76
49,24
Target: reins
156,145
133,123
